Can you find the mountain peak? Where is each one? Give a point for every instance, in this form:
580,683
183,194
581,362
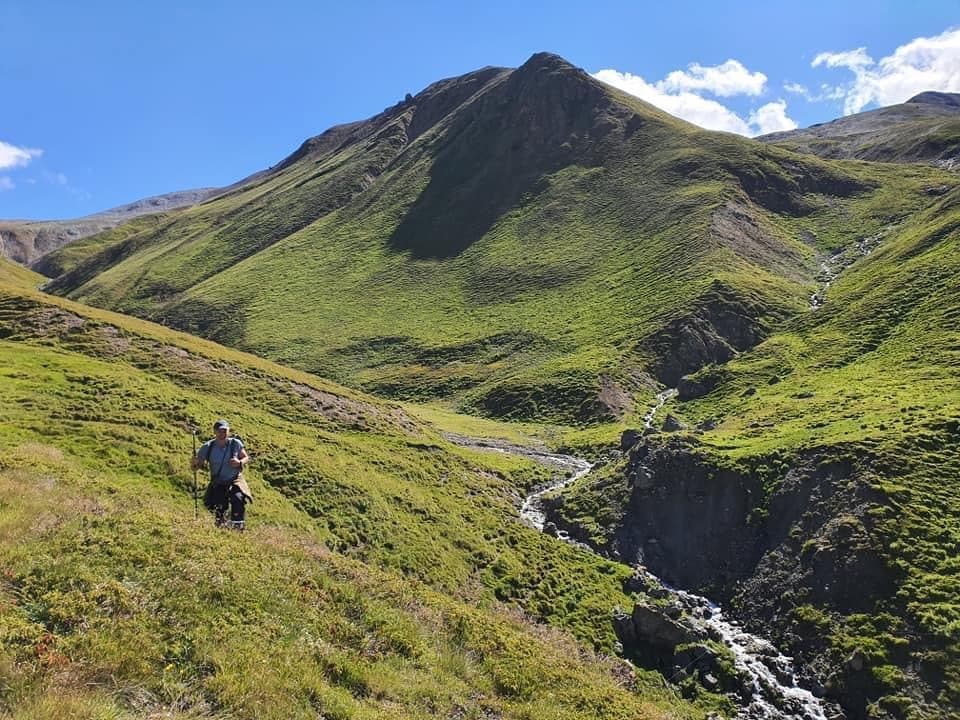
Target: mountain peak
546,63
931,97
546,60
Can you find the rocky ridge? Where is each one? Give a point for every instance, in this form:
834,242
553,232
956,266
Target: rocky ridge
923,129
28,241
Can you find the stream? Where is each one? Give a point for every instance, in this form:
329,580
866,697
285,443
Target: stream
831,266
769,675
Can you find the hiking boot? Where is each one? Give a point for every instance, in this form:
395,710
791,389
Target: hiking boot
237,525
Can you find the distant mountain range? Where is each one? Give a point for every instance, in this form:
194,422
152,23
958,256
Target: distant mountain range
926,128
26,241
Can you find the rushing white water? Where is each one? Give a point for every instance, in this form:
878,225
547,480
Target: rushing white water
769,674
660,401
532,509
775,694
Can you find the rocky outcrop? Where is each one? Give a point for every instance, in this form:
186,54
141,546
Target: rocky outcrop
686,518
672,424
650,635
787,190
760,541
690,388
685,637
724,531
721,324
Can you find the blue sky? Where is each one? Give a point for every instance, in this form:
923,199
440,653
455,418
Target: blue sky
108,102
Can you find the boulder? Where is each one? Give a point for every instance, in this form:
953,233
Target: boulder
655,629
629,438
639,582
674,611
701,657
671,424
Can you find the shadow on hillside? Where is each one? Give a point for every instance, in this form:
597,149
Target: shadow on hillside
499,151
460,204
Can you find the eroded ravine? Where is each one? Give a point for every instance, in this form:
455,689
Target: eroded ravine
769,677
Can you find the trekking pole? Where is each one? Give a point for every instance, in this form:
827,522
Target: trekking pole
196,502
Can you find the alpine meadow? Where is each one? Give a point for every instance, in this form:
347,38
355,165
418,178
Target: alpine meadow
535,379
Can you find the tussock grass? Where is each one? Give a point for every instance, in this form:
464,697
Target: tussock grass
384,573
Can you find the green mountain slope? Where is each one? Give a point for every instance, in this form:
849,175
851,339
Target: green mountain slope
381,576
519,243
925,129
823,473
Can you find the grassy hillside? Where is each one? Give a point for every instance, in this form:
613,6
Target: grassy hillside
533,245
385,572
844,425
876,373
17,275
518,244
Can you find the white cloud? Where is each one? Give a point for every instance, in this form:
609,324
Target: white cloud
12,156
687,105
826,92
922,64
772,117
705,112
849,59
726,80
56,178
6,183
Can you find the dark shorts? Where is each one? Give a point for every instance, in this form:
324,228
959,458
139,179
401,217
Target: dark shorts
218,498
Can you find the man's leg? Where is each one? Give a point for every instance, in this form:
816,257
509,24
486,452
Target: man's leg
237,508
217,502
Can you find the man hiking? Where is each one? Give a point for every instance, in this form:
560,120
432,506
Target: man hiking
226,458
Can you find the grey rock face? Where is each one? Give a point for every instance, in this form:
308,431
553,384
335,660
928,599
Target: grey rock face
658,630
943,99
671,424
722,325
690,388
629,438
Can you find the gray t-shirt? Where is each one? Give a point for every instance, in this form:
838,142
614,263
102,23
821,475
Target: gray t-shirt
219,458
